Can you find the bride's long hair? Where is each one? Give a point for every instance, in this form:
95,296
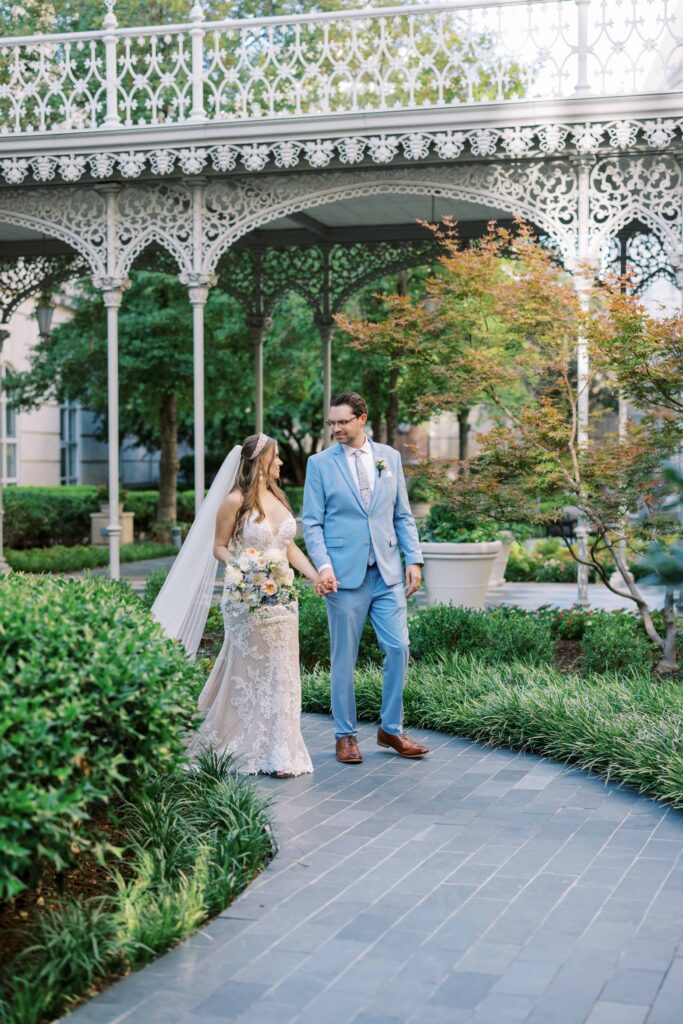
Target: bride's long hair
248,480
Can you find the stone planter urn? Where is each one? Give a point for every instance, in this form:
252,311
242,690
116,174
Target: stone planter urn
459,574
500,564
420,509
100,520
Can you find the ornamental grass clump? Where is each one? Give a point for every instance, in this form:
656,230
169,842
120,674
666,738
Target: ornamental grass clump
92,695
190,843
626,726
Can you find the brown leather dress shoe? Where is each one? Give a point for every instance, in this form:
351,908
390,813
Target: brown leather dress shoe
348,751
402,744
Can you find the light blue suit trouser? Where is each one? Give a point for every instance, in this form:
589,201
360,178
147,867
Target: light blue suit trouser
347,611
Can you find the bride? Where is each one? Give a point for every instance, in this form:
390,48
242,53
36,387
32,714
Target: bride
251,702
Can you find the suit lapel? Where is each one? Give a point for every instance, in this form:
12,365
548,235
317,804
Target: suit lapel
378,480
343,465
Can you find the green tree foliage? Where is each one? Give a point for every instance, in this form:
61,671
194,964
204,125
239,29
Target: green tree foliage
155,368
503,328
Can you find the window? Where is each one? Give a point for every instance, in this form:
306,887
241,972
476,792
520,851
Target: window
8,433
68,443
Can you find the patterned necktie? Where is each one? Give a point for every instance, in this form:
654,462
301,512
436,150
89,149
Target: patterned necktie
363,482
365,495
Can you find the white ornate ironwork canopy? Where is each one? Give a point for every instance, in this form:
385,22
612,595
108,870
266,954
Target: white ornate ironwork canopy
276,145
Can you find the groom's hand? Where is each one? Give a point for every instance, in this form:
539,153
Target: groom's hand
413,578
328,581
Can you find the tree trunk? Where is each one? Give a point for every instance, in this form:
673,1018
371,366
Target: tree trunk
463,433
167,509
669,660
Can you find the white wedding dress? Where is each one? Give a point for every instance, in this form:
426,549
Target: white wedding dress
252,700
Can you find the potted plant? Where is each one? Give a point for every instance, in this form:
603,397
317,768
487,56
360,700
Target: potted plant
459,556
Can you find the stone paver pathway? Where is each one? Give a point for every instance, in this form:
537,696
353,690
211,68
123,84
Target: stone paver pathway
479,885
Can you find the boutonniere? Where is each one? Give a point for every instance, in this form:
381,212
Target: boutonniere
381,467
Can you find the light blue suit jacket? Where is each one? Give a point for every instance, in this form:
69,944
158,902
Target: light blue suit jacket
338,530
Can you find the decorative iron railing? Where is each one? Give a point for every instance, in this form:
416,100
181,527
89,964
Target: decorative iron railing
383,59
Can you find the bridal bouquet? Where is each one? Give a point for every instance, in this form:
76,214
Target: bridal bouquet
258,579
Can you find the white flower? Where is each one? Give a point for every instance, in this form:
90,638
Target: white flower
233,596
284,574
233,576
273,556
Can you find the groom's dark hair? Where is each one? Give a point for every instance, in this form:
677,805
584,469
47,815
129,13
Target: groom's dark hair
353,399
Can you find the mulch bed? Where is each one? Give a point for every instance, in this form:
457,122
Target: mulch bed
84,880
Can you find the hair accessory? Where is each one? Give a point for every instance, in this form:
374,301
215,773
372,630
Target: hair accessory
263,440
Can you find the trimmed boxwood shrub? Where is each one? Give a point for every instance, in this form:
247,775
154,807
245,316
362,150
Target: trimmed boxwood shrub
91,692
616,642
500,634
40,516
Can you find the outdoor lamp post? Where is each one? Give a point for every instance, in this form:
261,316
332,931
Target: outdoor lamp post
4,567
44,313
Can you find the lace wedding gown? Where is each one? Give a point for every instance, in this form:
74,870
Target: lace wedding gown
252,700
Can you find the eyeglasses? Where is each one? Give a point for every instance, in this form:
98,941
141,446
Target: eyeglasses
340,423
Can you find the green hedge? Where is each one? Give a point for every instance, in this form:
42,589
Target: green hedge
610,641
38,517
625,726
91,692
41,516
82,556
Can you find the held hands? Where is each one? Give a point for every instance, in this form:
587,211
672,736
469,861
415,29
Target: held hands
413,579
325,583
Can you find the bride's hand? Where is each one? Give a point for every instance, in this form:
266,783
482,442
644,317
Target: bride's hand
319,586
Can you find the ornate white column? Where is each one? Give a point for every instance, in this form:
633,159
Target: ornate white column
112,293
199,293
4,566
582,281
198,284
112,285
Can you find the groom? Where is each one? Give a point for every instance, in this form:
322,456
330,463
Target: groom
356,520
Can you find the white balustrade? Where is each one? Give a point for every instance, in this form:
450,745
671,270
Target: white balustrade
419,56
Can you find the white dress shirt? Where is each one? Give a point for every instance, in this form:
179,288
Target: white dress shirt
368,463
370,471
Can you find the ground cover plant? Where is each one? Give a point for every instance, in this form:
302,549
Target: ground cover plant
624,725
188,843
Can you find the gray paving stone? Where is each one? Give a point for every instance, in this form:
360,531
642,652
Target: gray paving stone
463,989
666,1008
502,1008
231,1000
633,985
481,886
617,1013
526,977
